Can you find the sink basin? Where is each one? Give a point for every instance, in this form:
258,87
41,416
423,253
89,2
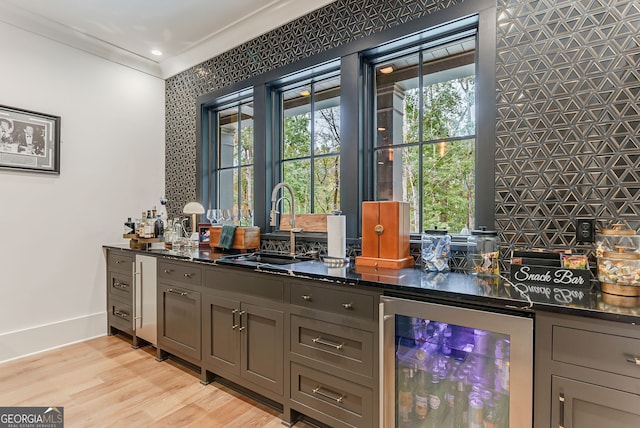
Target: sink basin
264,258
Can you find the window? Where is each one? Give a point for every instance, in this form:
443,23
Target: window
424,122
310,142
232,173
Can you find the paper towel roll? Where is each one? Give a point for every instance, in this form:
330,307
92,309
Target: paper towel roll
336,236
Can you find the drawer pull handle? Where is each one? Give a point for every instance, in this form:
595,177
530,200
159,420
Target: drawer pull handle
179,293
347,306
168,270
121,314
633,359
188,275
306,297
321,341
119,261
330,396
561,423
121,285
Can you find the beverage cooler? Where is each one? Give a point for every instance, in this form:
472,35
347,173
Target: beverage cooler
454,367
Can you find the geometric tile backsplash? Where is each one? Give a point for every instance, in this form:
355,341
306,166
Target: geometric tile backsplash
568,105
568,118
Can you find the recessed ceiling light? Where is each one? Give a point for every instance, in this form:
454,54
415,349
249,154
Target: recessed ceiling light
386,70
156,52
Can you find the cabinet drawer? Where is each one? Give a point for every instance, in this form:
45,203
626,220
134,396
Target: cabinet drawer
325,298
121,315
184,273
121,285
235,281
120,262
600,351
338,345
337,400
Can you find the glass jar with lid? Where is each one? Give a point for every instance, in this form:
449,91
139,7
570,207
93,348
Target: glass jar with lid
436,250
483,252
616,239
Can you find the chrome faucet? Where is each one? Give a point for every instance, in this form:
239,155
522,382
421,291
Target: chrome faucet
292,215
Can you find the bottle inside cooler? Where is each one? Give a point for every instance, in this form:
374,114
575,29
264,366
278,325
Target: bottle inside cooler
450,376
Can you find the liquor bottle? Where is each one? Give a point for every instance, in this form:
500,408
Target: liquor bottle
461,404
405,395
158,227
436,402
148,226
142,221
421,395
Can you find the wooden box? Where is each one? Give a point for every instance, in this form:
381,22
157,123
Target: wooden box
307,222
245,238
385,235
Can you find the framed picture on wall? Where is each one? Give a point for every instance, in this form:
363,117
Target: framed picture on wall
29,141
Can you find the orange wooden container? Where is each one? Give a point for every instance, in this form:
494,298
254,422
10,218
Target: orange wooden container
385,235
245,238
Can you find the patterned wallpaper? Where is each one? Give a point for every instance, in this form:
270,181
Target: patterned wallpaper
568,105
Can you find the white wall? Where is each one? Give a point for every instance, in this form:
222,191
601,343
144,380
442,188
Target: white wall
52,228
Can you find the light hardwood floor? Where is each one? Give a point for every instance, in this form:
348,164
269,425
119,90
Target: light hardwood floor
104,382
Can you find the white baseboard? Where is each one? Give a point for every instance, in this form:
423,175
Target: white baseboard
18,344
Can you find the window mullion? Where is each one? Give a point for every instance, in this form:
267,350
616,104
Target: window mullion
312,148
420,144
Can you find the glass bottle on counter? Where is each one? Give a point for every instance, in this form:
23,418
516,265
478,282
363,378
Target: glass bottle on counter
148,225
158,227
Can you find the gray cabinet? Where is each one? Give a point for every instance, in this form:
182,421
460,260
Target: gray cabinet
179,310
579,404
333,353
243,329
120,289
587,373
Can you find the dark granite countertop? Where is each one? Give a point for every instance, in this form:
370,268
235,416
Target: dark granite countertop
453,288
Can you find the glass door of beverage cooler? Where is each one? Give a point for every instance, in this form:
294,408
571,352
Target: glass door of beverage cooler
451,367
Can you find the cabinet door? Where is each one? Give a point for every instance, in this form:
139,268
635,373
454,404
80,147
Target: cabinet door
584,405
221,334
262,346
179,321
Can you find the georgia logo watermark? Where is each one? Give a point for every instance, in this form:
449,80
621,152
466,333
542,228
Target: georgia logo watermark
31,417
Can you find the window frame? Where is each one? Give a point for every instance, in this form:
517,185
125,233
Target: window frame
397,51
355,169
311,78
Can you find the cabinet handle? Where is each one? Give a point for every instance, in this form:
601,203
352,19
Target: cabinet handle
119,261
188,275
318,390
633,359
121,314
233,319
306,297
168,270
321,341
121,285
561,423
241,313
179,293
347,305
